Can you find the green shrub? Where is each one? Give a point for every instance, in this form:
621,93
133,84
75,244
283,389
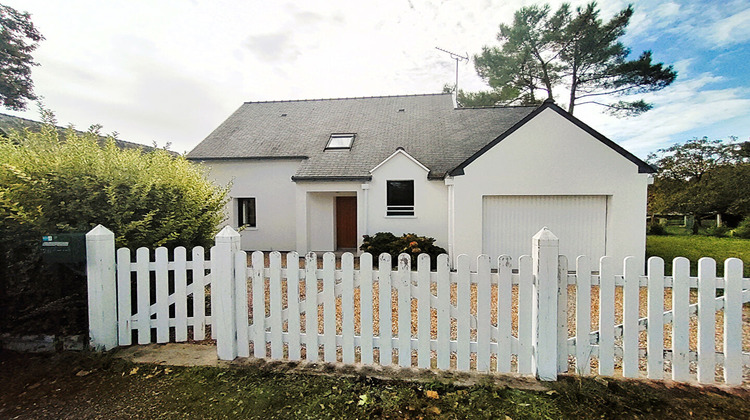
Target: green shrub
743,229
656,228
53,185
409,243
717,231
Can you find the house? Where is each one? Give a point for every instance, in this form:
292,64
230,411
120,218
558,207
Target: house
317,175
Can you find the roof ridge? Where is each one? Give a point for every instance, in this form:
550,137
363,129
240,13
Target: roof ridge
345,98
497,107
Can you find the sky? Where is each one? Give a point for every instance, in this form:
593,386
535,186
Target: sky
171,71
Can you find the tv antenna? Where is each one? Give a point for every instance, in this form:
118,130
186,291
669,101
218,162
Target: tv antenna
458,58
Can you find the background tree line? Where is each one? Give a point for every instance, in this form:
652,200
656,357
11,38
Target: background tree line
703,178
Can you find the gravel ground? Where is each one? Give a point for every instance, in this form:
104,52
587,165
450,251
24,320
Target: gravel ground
514,312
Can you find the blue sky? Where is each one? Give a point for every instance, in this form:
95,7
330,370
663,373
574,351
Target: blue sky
173,70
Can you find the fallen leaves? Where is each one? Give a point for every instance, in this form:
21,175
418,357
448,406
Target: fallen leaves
432,394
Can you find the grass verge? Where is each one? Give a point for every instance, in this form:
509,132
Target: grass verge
694,247
91,386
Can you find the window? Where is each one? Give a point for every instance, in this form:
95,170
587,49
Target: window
340,141
400,198
246,212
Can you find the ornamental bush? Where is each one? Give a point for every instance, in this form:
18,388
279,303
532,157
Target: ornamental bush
408,243
56,183
743,229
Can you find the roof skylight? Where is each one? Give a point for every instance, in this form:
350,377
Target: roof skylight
340,141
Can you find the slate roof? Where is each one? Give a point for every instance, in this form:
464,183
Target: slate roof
427,127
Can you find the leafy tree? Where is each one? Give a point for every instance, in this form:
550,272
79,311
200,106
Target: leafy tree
54,184
542,52
18,39
702,177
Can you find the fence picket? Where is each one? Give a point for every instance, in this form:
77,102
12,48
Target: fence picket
423,311
630,307
312,347
347,307
562,313
162,296
199,293
365,307
733,321
259,305
240,308
403,285
384,306
484,321
180,294
606,317
680,319
124,305
706,320
655,334
143,299
277,345
463,313
293,309
525,332
583,315
329,307
443,313
504,316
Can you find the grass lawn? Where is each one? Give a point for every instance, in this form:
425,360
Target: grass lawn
694,247
85,385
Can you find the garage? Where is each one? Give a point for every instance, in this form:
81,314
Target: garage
509,222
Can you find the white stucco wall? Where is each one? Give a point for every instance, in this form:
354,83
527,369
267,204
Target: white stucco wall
551,156
270,182
430,202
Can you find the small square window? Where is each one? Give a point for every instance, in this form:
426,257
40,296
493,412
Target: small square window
340,141
400,198
246,212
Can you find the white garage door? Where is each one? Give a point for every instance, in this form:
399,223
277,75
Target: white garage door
579,221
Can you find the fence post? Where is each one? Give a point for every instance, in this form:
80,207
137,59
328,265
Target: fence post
545,251
223,293
102,291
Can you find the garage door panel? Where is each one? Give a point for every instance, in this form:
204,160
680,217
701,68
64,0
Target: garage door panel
509,222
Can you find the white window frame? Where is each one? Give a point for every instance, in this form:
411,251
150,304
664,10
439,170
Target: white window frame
400,210
241,213
341,141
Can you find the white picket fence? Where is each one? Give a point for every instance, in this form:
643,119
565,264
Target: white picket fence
446,319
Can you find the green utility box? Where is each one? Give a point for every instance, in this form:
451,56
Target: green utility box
64,248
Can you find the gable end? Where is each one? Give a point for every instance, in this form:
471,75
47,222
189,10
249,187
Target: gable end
643,167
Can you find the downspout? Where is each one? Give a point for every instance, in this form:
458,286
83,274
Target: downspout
365,212
451,220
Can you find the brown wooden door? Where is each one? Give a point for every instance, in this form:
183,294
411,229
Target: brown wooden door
346,222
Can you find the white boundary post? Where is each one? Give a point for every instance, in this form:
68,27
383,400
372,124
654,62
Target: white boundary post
545,252
223,293
102,290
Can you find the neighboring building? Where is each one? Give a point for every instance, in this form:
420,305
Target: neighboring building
11,122
317,175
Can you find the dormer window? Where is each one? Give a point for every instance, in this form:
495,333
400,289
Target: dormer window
340,141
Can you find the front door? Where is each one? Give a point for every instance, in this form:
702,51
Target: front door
346,222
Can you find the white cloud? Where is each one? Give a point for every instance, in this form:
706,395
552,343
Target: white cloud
684,106
734,29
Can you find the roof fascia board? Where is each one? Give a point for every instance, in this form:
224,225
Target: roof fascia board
643,167
330,178
399,150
